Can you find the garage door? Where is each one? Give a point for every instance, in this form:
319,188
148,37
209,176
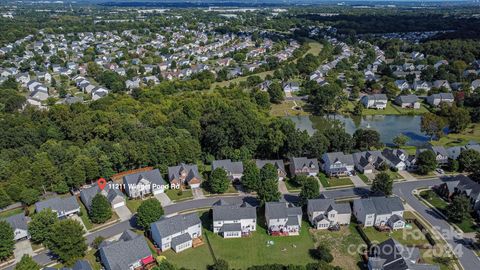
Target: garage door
120,204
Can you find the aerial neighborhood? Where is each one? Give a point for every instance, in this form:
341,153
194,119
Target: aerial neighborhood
222,135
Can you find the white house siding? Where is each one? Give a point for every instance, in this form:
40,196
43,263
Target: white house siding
344,219
246,224
237,234
164,242
183,246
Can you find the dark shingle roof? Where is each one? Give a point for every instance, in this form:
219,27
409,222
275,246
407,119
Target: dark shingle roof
182,238
152,176
129,249
228,165
222,212
171,225
58,204
323,205
18,221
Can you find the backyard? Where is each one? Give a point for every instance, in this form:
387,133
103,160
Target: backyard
259,248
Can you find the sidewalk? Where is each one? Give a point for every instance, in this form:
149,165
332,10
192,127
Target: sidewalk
407,176
357,181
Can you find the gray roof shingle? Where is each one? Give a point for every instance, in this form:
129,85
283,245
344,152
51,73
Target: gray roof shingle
172,225
130,248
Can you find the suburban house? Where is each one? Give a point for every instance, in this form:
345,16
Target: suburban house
441,84
113,195
283,219
390,254
304,166
129,252
178,232
397,158
326,213
234,169
402,85
367,161
380,212
278,164
233,221
441,154
337,163
461,184
19,224
291,87
64,207
421,86
375,101
138,185
184,175
408,101
436,99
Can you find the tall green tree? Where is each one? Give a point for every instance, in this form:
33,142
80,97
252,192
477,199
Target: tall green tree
41,225
268,189
66,240
366,139
27,263
310,190
469,160
148,212
276,93
218,181
382,183
251,176
100,210
459,209
433,125
4,198
6,240
400,140
426,162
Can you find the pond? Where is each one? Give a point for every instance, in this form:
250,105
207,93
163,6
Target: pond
389,126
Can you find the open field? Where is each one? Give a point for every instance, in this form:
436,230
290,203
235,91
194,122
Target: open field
472,133
286,108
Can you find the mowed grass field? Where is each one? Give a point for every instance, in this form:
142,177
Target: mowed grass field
244,252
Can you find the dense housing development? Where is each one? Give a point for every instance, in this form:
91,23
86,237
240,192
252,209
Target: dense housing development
255,135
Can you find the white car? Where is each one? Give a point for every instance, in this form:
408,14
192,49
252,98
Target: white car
440,171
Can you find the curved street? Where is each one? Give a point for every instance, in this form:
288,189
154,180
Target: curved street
466,255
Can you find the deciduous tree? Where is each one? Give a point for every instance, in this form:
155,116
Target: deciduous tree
218,181
6,240
100,210
66,240
148,212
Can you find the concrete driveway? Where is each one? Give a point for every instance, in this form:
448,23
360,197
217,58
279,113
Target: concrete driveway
282,187
163,199
357,181
407,176
23,247
197,193
79,219
123,213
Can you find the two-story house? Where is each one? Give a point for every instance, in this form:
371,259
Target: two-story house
233,221
462,184
380,212
368,161
184,175
130,251
304,166
283,218
326,213
278,164
397,158
177,232
408,101
337,163
436,99
441,154
139,185
234,169
375,101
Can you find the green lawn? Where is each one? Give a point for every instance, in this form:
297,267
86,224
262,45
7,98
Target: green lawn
133,204
179,195
244,252
84,216
10,213
364,178
340,244
231,189
391,109
472,133
408,236
332,182
292,186
394,175
286,108
467,225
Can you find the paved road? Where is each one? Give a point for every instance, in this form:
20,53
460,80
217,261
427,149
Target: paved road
402,189
466,256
